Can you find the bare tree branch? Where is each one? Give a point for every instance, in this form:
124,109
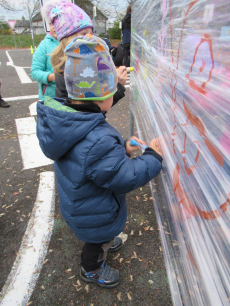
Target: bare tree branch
7,6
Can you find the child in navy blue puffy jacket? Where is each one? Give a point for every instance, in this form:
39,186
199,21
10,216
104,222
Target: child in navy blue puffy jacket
92,164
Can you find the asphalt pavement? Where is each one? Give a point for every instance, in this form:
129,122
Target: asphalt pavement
39,254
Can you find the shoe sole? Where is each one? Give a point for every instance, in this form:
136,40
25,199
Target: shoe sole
115,249
99,284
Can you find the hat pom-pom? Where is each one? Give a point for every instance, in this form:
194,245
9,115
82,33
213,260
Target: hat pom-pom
47,7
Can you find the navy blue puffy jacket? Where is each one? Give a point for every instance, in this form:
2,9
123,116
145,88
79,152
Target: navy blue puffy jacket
92,169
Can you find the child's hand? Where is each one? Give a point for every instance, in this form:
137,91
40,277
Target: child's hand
154,144
130,149
122,75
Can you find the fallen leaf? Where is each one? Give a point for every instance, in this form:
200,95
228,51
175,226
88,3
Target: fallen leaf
141,223
119,296
43,288
44,262
71,277
146,228
78,289
131,278
139,244
114,258
140,233
137,198
151,229
120,260
68,271
16,193
123,237
78,283
134,255
151,198
129,296
29,303
132,232
87,288
150,282
140,259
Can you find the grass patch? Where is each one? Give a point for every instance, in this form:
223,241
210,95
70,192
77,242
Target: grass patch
7,41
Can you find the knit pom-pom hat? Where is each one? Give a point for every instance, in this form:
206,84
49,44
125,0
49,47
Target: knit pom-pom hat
90,73
66,17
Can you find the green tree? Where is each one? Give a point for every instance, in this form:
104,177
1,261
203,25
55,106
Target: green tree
115,32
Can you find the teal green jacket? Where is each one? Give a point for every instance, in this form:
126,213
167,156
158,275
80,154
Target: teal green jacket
41,67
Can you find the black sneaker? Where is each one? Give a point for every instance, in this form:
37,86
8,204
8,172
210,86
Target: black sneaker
104,277
117,244
3,103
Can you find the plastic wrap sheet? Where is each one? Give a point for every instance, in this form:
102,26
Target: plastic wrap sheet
180,92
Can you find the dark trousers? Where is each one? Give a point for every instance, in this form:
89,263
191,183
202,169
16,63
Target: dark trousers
126,52
93,255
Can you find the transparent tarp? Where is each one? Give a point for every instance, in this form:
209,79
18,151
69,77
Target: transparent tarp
180,92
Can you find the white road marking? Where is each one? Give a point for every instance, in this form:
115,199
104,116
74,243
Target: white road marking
33,109
23,76
32,155
10,59
21,98
27,266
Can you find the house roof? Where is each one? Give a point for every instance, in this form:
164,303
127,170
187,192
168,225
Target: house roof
37,17
22,23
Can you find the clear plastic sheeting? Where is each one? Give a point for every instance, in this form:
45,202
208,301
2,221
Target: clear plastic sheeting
180,92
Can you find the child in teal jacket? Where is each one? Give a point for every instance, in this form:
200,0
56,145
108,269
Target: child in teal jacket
41,69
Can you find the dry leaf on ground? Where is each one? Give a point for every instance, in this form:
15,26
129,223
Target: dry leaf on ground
68,271
119,296
129,296
87,288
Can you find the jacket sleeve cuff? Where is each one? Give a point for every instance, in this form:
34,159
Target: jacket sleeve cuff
150,151
45,77
121,88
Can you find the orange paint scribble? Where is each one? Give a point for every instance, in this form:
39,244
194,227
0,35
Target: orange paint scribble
195,121
215,152
192,259
192,83
189,207
203,66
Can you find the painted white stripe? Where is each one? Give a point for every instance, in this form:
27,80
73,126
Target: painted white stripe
10,59
33,109
27,266
21,98
32,155
23,76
